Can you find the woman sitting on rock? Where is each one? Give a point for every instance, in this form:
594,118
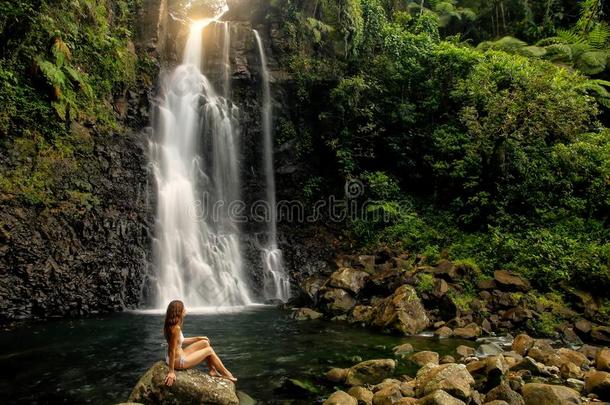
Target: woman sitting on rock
187,353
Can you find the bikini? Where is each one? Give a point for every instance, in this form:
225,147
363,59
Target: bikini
181,360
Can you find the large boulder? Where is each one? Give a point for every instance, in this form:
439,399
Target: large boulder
341,398
363,396
508,280
425,357
598,383
402,312
370,372
388,395
451,378
304,314
602,360
439,398
349,279
337,300
546,394
504,392
191,387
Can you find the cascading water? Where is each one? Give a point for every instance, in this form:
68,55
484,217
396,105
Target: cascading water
195,153
276,281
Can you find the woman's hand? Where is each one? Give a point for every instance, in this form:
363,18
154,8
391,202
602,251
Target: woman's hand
203,338
171,377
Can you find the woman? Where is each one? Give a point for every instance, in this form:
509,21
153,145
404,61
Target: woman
187,353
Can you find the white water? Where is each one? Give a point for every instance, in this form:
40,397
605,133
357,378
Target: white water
198,256
276,281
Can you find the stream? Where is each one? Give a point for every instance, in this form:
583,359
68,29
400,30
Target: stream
99,360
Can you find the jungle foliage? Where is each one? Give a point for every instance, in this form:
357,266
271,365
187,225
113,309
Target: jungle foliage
62,63
470,152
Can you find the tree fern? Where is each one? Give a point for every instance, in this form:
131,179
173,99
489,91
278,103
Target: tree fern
600,89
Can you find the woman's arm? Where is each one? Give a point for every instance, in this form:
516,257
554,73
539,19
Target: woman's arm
173,344
191,340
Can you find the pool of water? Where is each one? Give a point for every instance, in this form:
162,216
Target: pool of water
99,360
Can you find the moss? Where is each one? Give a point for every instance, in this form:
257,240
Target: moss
545,325
463,301
63,63
425,283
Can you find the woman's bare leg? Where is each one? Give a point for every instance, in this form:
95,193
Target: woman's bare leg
217,363
202,344
195,358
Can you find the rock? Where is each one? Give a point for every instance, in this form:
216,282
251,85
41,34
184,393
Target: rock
488,349
303,314
496,402
522,344
425,357
503,392
451,378
443,332
362,395
191,386
589,351
471,331
312,285
407,388
370,372
486,284
403,349
439,398
446,360
337,300
349,279
449,271
545,394
341,398
440,288
464,351
517,315
583,326
245,399
362,313
387,395
336,375
385,383
602,360
601,334
570,370
532,366
406,401
402,312
511,281
598,383
367,262
495,368
578,385
569,355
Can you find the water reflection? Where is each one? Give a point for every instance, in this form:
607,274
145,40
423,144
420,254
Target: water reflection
99,360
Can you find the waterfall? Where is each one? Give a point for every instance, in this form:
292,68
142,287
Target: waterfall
194,156
276,281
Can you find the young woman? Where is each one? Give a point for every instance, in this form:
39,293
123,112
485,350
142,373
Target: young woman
187,353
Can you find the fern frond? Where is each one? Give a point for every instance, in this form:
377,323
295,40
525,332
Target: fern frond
599,37
570,36
592,62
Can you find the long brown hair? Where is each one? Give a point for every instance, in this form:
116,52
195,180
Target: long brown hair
174,316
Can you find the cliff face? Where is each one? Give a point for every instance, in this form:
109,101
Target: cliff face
88,254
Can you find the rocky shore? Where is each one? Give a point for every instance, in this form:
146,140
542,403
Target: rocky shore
529,372
397,293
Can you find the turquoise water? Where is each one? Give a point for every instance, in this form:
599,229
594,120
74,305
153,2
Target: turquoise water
99,360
